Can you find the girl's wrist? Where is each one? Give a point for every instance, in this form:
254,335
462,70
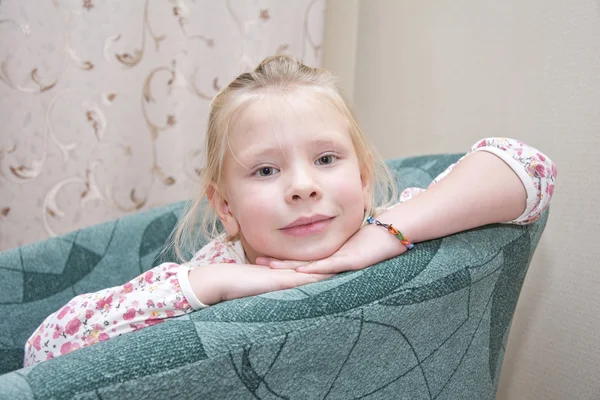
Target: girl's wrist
392,230
404,220
206,285
377,243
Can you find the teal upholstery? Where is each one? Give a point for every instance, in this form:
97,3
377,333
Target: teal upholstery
430,324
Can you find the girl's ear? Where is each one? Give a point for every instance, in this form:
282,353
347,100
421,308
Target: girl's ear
221,207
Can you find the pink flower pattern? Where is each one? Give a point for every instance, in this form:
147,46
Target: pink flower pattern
95,317
73,326
142,302
156,294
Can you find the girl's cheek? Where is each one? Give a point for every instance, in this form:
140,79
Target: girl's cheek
256,207
342,185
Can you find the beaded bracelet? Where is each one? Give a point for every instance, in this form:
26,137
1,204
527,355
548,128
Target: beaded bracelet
403,239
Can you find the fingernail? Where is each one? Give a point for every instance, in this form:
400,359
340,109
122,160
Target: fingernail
275,264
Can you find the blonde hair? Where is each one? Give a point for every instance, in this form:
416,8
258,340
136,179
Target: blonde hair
282,73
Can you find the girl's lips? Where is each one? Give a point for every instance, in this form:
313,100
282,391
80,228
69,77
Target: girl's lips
308,229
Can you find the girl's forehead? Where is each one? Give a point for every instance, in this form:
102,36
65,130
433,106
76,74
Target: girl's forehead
291,117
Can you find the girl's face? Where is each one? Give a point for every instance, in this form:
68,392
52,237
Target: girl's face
293,185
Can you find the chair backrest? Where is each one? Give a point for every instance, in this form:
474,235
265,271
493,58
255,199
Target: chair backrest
431,323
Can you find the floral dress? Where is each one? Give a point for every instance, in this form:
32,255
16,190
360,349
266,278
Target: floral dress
165,291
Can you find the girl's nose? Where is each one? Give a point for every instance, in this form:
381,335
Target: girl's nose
303,186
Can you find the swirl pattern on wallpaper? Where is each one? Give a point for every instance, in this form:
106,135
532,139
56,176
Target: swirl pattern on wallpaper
104,104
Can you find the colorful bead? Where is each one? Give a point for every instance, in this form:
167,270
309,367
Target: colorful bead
403,239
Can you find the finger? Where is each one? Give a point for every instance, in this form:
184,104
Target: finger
288,279
319,277
255,266
314,268
327,266
265,260
303,279
278,264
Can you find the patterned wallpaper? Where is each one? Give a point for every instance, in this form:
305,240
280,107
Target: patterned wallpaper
103,104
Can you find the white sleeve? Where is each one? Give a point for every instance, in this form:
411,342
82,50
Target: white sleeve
216,252
186,288
536,171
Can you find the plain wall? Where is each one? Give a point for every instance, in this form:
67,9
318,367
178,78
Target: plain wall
435,76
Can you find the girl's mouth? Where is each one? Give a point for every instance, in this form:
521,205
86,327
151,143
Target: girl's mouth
307,226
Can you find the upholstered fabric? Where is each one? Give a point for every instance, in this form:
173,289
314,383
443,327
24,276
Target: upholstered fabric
431,323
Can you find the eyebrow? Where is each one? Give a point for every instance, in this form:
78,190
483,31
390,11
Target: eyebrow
258,151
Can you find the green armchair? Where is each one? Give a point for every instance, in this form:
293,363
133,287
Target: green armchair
430,324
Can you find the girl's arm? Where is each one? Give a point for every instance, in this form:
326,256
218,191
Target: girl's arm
158,294
95,317
500,180
226,276
480,190
166,291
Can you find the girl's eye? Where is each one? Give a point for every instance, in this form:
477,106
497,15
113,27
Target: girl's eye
326,160
266,171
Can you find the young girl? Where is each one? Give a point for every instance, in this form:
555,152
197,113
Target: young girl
292,181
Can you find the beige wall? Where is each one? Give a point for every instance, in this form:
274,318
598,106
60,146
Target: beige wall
434,76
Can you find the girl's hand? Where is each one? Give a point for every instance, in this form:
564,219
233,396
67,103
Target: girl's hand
219,282
369,246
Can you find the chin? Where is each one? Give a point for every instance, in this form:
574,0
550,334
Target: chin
301,249
309,252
